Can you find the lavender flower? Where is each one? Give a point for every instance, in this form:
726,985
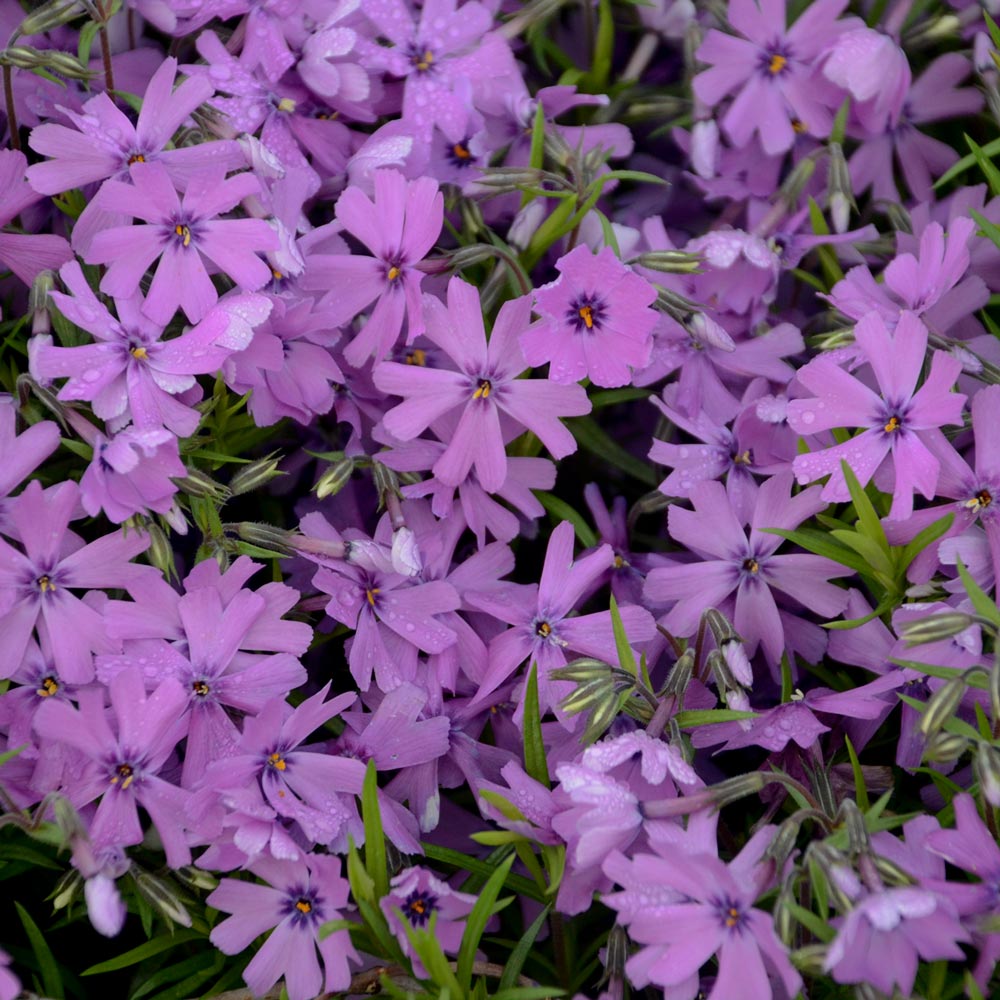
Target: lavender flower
300,897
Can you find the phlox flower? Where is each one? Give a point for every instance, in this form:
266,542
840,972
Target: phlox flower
22,453
730,561
421,897
10,985
299,898
596,321
399,228
685,907
36,584
124,762
180,235
895,423
491,401
772,71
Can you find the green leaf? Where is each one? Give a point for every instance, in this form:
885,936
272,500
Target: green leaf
610,397
536,159
206,963
850,623
869,550
136,955
860,788
528,993
375,859
515,961
990,230
597,441
626,658
820,928
425,943
475,923
562,511
988,167
868,519
362,885
819,543
985,607
709,716
466,863
498,838
990,149
535,763
11,754
928,536
47,965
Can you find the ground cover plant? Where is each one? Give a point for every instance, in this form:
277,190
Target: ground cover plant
499,501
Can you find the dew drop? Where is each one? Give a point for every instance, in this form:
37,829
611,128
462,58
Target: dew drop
808,416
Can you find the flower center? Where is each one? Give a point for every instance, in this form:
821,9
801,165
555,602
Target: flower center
980,501
423,60
731,914
139,353
419,906
183,233
543,629
287,105
371,593
49,686
893,424
200,688
393,273
743,458
416,356
586,313
777,63
751,565
125,774
276,761
45,583
483,392
303,906
136,158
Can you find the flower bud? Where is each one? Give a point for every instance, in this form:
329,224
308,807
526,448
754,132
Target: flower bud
405,552
891,873
50,15
251,477
840,194
783,844
386,481
857,833
196,878
810,960
581,670
669,261
160,552
945,748
202,486
934,628
733,789
162,896
334,479
65,65
267,536
67,889
942,705
680,675
987,766
705,148
469,256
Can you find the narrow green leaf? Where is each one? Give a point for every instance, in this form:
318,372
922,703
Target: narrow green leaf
860,788
928,536
375,859
709,716
425,943
515,961
626,658
208,962
362,885
593,438
980,600
819,543
136,955
466,863
869,550
536,158
528,993
988,167
562,511
868,519
475,923
849,623
47,965
610,397
990,230
820,928
535,762
11,754
967,162
498,838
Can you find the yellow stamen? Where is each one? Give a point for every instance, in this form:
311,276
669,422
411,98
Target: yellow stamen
799,126
184,233
544,630
619,562
982,499
136,158
587,315
483,392
200,688
419,907
45,584
286,104
276,274
892,425
49,687
424,63
417,357
394,273
751,565
124,771
461,152
277,761
303,906
733,918
743,459
370,594
777,64
139,353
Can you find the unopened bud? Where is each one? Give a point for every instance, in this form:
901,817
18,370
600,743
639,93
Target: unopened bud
512,178
267,536
674,305
987,766
781,847
705,148
890,872
68,819
67,889
810,960
335,478
38,302
945,748
669,261
733,789
934,628
651,503
405,552
386,481
255,475
840,194
680,675
472,216
796,181
202,486
587,695
162,896
196,878
931,32
942,705
582,670
50,15
857,833
469,256
160,552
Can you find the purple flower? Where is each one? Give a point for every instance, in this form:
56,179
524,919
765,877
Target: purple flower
730,561
26,254
895,423
10,985
399,228
491,401
543,624
687,907
130,373
132,473
180,235
885,934
300,898
22,453
596,320
36,584
420,898
123,765
772,70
